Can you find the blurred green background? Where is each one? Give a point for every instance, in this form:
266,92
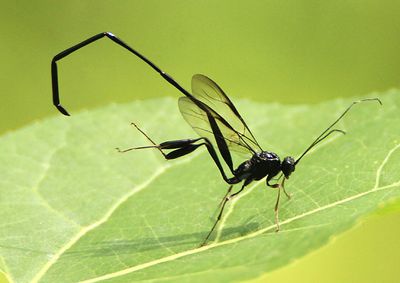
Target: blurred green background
293,51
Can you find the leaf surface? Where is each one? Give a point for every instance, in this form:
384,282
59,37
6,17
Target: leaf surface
73,209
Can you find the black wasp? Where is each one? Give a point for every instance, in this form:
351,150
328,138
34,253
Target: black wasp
211,113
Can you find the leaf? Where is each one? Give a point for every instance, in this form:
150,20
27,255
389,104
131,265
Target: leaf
73,209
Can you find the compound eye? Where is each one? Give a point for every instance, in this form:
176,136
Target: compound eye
288,166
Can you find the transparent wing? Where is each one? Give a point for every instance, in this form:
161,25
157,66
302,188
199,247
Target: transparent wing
208,92
200,117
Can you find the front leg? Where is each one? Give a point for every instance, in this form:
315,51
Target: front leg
289,196
276,209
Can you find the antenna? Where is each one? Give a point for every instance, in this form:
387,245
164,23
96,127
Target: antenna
328,130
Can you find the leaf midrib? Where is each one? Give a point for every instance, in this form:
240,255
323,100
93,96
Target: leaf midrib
75,239
84,230
234,240
376,188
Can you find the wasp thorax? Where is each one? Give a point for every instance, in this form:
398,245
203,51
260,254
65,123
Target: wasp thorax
288,166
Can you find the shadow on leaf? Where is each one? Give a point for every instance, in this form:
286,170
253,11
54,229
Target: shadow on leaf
172,244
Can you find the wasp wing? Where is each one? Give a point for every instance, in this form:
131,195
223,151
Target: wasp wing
209,124
208,92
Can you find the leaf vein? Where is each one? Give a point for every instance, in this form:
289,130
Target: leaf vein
234,240
46,168
376,188
84,230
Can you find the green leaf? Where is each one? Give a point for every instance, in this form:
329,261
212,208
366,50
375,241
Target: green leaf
73,209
